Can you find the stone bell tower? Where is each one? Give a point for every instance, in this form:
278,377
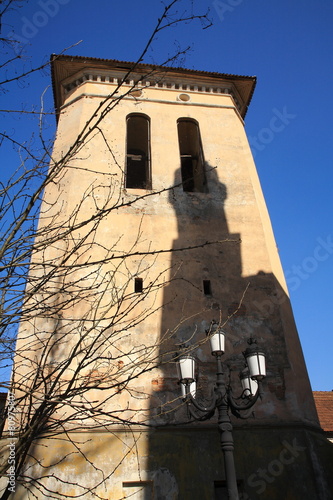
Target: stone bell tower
183,236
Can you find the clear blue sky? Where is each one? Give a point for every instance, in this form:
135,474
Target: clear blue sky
288,45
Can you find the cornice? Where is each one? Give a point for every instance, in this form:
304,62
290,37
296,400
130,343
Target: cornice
68,72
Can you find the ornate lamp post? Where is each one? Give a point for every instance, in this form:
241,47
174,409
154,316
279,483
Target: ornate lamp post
223,399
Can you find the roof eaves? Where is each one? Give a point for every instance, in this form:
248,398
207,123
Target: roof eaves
132,66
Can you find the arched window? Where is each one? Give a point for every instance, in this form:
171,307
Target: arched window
191,156
138,152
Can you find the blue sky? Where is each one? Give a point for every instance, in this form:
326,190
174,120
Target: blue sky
288,46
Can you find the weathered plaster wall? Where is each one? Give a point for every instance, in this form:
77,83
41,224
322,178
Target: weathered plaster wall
243,266
233,209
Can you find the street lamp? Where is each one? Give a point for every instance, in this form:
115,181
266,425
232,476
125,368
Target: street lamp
223,400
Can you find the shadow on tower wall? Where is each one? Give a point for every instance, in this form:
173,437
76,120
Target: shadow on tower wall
185,460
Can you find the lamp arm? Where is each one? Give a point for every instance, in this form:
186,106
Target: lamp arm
205,409
196,415
236,407
244,416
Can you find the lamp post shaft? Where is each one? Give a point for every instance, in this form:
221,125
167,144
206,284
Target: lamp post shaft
223,399
227,445
226,437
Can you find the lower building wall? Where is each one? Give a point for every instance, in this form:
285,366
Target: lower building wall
281,463
275,463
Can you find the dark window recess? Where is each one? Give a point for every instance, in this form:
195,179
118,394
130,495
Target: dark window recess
138,285
138,489
221,490
138,153
191,157
207,287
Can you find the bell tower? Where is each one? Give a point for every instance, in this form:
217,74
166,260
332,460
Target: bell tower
160,226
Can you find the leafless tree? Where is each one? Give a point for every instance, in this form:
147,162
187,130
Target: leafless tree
70,296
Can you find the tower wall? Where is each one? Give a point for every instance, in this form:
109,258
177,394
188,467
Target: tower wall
172,240
244,261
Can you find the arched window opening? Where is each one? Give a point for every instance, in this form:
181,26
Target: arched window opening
138,152
191,156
